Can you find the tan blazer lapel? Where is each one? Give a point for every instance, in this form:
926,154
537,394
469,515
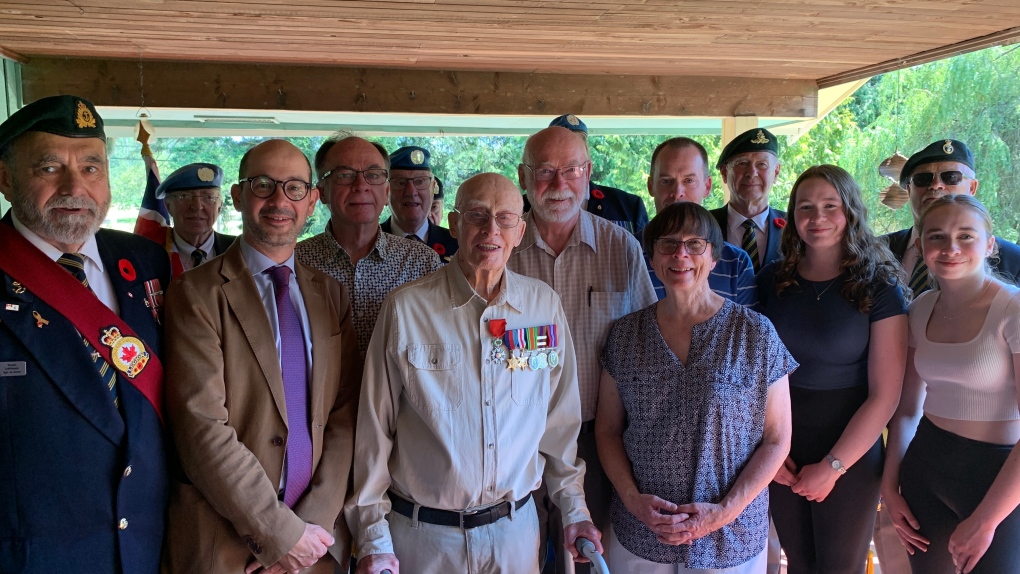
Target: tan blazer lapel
314,294
243,297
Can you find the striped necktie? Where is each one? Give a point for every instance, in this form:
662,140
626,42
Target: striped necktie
197,257
919,279
74,263
750,243
295,388
413,237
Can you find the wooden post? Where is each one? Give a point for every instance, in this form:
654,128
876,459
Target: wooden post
731,128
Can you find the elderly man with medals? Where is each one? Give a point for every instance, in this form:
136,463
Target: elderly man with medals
464,411
83,484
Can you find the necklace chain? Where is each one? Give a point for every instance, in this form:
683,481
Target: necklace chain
942,302
814,285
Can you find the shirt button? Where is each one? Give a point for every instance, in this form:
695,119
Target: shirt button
489,489
127,471
487,403
487,361
277,441
490,446
122,524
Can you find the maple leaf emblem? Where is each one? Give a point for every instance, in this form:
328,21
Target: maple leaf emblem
127,354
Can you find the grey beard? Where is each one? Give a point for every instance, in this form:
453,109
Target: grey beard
64,229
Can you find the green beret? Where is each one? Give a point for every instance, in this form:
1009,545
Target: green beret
411,157
754,139
68,116
942,150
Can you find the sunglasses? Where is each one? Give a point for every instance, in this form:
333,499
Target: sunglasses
947,177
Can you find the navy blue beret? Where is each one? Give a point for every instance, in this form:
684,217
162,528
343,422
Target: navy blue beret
571,122
438,194
942,150
410,157
192,176
754,139
68,116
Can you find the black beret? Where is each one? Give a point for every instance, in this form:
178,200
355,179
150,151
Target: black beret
942,150
410,157
439,189
68,116
754,139
192,176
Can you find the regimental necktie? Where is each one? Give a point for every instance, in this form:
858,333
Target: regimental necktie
750,243
919,280
74,263
414,237
295,389
197,258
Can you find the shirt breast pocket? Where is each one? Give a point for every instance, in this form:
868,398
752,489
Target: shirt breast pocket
530,387
435,377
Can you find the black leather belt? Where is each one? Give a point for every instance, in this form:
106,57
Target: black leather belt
465,520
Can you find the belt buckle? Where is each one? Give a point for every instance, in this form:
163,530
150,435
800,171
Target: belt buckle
461,514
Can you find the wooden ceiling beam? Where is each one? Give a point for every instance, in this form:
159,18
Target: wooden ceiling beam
321,88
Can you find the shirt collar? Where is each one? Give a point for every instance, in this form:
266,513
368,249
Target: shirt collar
583,232
379,250
461,292
185,248
258,263
736,219
422,231
90,249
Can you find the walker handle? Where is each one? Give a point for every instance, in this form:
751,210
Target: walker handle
587,549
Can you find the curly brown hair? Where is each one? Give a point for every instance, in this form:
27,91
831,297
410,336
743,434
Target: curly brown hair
866,258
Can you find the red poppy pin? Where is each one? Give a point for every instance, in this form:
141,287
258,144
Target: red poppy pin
597,193
127,270
779,222
438,248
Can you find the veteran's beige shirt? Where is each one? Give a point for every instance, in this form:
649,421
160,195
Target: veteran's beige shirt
442,423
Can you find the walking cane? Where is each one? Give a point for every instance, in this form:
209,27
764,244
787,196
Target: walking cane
587,549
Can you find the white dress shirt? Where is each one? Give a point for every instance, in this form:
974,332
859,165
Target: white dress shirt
735,233
185,249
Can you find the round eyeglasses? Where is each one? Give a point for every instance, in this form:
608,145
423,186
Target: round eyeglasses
481,218
189,196
263,186
668,246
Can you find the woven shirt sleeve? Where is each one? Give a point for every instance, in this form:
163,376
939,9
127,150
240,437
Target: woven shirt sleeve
639,281
564,472
373,443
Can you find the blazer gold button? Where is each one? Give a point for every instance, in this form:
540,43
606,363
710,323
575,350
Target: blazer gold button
123,524
277,441
127,471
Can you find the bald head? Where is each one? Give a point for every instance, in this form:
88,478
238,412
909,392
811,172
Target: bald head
268,148
489,184
554,137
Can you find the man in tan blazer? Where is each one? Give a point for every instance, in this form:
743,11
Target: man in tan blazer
263,377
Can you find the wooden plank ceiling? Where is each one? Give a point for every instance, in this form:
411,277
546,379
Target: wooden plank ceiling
767,39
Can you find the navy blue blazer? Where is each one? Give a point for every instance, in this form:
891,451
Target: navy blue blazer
773,250
438,238
624,209
83,488
222,242
1007,265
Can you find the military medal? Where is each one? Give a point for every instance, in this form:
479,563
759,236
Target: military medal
153,298
538,361
127,354
497,327
543,339
554,358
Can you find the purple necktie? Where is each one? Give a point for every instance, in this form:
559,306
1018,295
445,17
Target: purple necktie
295,389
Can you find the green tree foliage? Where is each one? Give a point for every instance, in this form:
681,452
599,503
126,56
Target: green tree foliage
974,98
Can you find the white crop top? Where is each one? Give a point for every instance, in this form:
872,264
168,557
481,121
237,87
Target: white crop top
970,381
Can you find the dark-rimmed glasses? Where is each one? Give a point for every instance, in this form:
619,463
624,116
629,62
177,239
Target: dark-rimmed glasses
263,187
481,218
668,246
544,173
345,177
420,183
926,179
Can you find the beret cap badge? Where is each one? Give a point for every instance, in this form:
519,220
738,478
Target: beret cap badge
572,120
948,147
417,157
206,174
84,117
760,138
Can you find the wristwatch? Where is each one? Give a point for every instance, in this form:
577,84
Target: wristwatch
835,463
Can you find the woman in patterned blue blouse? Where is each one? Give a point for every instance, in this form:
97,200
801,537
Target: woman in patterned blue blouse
836,300
693,416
